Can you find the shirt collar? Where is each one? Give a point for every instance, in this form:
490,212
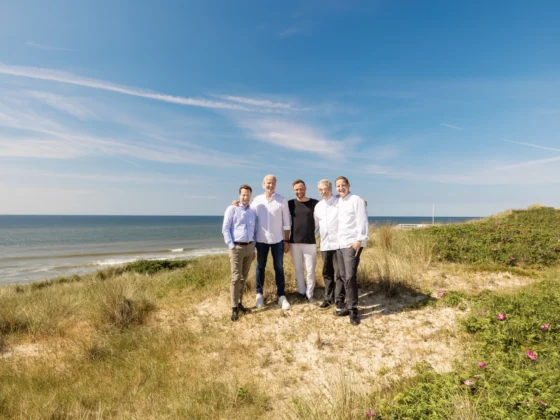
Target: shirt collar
347,197
242,206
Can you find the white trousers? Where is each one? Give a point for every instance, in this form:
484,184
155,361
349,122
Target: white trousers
304,256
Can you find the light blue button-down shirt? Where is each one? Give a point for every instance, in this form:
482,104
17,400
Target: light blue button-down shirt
239,225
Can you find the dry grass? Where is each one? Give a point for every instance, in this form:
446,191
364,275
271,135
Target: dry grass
394,260
121,344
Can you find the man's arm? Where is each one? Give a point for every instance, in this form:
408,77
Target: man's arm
362,221
362,224
227,225
316,220
286,225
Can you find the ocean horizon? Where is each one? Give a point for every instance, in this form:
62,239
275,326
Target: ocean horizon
38,247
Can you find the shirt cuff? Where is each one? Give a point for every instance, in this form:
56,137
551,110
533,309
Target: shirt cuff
287,227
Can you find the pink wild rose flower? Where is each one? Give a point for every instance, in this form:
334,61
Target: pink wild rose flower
545,327
482,365
468,382
501,317
531,355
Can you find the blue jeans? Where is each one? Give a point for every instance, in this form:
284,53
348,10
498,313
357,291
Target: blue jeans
278,260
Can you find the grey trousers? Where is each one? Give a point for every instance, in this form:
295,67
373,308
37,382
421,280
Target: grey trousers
240,259
334,287
348,265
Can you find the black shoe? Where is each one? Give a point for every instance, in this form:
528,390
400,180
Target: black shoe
326,304
234,314
301,296
243,309
342,312
354,317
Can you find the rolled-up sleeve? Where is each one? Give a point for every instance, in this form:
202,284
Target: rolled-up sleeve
362,222
316,220
286,223
227,227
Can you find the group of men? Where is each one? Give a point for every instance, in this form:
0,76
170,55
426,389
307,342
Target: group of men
272,223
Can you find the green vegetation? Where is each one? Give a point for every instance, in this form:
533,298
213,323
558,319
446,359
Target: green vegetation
500,379
148,340
525,238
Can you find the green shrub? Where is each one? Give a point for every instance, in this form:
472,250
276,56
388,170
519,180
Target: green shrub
154,266
526,238
509,384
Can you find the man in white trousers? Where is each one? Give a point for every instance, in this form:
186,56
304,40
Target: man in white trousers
303,245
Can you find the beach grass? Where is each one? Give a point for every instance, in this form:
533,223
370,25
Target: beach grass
154,340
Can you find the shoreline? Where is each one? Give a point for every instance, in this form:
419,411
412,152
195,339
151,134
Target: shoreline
29,275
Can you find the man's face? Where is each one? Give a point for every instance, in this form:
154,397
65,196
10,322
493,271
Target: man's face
342,188
245,197
269,184
325,191
299,190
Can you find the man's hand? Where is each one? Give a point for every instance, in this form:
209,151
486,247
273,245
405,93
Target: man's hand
286,247
235,203
356,246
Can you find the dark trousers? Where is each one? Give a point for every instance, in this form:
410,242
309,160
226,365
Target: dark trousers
334,287
348,266
278,260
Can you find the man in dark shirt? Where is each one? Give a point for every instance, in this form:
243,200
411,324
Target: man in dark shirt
303,246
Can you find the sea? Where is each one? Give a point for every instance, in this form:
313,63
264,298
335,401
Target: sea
41,247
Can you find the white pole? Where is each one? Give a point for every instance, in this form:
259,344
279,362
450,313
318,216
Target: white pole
433,213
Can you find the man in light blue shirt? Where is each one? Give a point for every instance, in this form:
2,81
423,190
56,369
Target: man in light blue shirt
239,230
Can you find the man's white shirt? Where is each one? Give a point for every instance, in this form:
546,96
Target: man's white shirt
326,222
352,221
273,218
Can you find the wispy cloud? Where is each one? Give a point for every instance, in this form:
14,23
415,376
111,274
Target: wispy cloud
39,148
294,136
531,163
143,178
46,47
255,102
54,140
532,145
451,126
375,170
69,78
63,104
291,31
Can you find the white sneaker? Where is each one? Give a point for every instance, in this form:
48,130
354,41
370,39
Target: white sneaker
260,301
283,302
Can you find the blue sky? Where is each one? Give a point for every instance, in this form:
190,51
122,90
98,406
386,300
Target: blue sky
167,107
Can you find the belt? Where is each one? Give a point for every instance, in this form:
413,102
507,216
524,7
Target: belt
243,243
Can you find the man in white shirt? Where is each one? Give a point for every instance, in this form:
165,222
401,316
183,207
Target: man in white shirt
352,237
273,233
326,223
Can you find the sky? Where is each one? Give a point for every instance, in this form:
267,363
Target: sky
145,107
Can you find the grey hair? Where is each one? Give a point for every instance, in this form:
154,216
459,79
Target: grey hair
325,181
269,175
